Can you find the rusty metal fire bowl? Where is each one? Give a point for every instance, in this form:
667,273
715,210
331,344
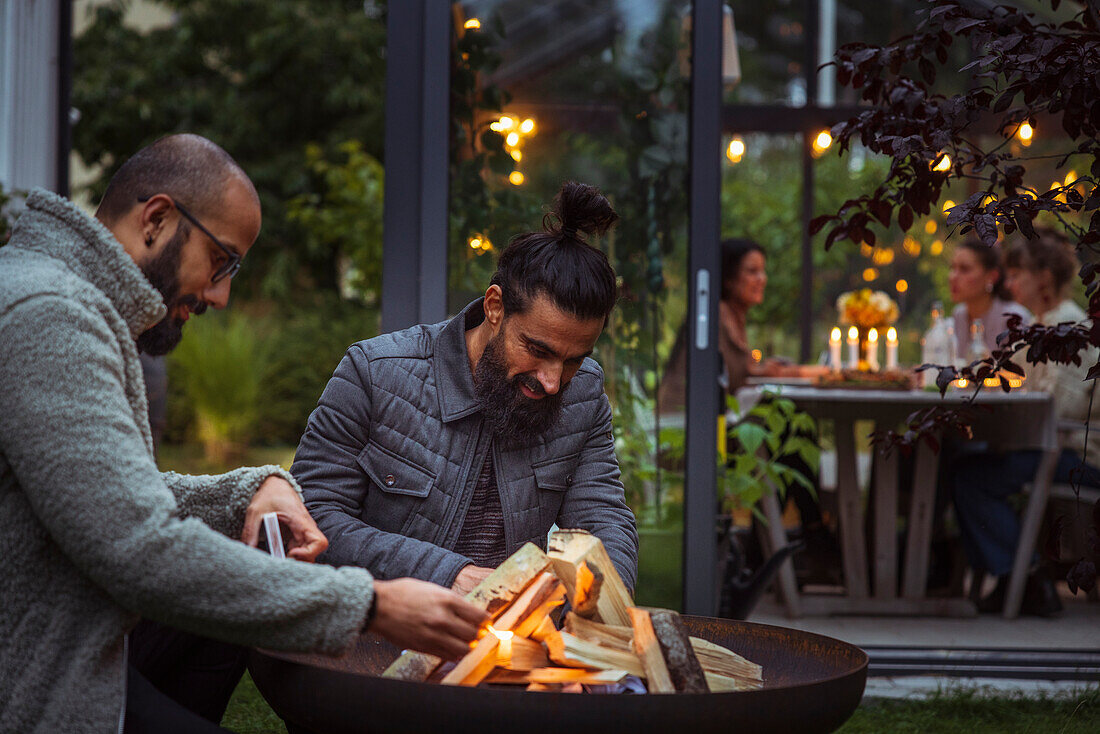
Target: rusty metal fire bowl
812,683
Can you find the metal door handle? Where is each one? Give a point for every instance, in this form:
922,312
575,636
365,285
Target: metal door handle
702,309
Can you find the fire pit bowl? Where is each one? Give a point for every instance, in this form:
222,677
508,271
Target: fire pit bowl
811,684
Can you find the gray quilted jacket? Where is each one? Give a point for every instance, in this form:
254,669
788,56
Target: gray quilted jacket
391,455
92,535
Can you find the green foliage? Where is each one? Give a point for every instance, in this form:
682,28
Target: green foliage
307,344
344,221
262,78
763,436
220,368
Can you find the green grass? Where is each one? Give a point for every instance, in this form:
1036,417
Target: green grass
963,711
248,712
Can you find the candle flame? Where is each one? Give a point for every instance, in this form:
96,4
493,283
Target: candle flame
872,335
892,335
853,333
834,335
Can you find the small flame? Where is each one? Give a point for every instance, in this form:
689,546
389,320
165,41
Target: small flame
501,634
834,335
853,333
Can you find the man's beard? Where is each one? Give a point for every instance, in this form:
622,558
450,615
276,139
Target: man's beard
512,416
163,272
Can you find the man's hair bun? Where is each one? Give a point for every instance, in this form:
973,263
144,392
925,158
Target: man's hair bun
582,208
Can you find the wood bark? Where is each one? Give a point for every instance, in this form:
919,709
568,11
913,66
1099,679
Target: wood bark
683,667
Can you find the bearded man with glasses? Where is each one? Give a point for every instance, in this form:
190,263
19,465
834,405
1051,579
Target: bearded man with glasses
93,538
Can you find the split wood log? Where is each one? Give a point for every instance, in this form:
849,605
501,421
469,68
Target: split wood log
719,683
716,659
523,654
683,667
552,676
526,613
494,593
565,649
608,635
541,687
649,650
568,550
587,593
477,663
545,629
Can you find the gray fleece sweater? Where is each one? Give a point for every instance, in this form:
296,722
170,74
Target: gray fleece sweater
92,535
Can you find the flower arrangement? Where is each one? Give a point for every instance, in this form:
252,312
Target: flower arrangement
867,309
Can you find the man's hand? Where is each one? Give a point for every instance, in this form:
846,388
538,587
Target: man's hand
422,616
306,540
469,577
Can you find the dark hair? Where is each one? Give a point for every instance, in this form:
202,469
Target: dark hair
990,258
558,262
1049,250
187,167
733,252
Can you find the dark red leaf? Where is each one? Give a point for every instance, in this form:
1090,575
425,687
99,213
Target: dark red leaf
905,217
1082,576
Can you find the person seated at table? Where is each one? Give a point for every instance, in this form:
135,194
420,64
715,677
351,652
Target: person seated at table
976,280
744,279
1038,273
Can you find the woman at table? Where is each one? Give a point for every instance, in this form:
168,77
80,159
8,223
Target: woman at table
1038,274
976,280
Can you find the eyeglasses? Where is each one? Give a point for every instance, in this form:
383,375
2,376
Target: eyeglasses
233,261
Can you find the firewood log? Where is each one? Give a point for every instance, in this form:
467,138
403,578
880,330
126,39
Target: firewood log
493,594
565,649
568,550
608,635
683,667
649,650
551,676
524,654
545,588
477,663
717,659
719,683
586,594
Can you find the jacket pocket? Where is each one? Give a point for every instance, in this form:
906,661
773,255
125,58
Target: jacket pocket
395,474
555,474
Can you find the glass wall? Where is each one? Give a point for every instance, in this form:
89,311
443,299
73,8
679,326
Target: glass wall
593,91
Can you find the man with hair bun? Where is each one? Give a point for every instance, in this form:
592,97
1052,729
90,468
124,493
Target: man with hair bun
93,537
437,451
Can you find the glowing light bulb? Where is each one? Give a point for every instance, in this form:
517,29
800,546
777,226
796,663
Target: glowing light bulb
472,24
870,274
1025,133
936,248
527,126
516,178
823,140
517,156
736,150
901,286
930,226
944,164
507,123
947,205
512,140
475,243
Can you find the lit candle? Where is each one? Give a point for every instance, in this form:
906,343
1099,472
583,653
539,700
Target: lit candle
853,347
834,348
872,349
892,349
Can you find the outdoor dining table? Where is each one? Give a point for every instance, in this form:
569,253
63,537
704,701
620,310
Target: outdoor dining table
1005,421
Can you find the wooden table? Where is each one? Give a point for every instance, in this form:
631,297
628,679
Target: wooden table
1016,420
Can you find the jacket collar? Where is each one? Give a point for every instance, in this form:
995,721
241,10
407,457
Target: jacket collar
54,226
457,397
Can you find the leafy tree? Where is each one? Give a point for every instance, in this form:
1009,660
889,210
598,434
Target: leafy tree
1025,70
262,78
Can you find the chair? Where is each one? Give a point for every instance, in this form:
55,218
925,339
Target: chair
1040,492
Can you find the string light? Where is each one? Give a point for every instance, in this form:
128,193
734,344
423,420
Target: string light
736,150
1025,133
870,274
936,248
944,164
527,127
948,205
472,24
901,286
822,142
516,178
930,226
